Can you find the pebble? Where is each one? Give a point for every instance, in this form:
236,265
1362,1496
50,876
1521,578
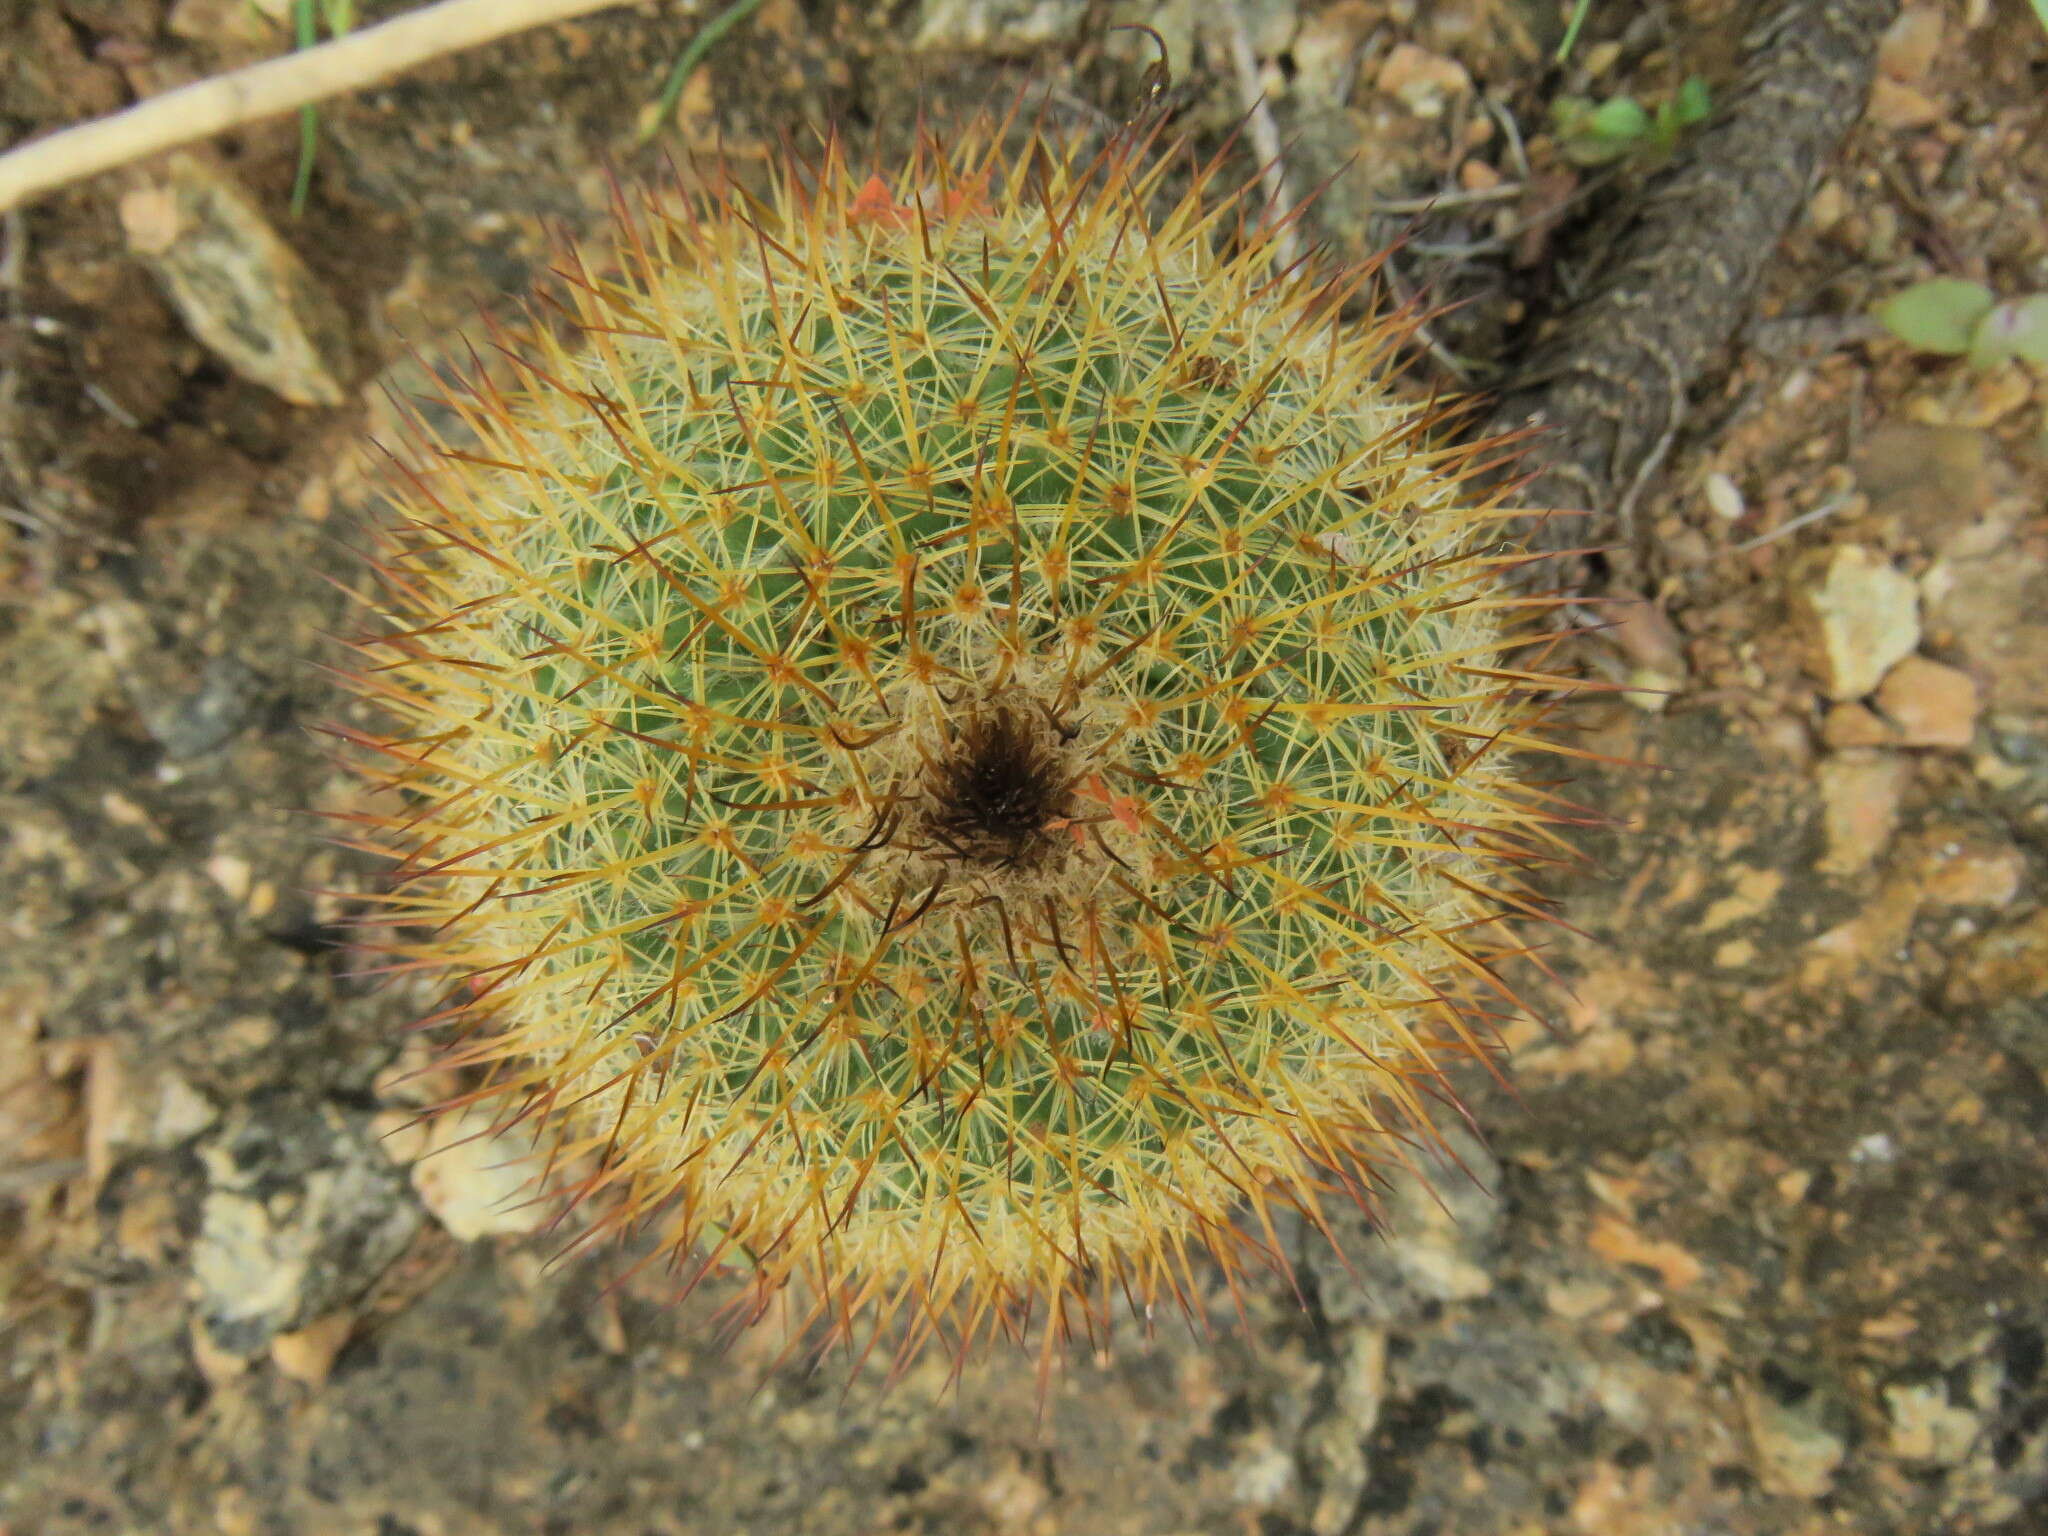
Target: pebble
1848,726
218,22
1932,705
307,1354
996,25
1724,497
2008,962
1926,1426
1983,875
479,1185
1333,1448
242,291
1432,1238
227,700
1898,106
1864,617
301,1214
1989,607
1911,44
1425,83
1859,792
1326,50
1441,1227
1798,1449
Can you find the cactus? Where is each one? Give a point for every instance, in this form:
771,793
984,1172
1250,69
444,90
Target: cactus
956,736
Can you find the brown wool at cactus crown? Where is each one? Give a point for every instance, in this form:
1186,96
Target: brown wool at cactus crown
961,742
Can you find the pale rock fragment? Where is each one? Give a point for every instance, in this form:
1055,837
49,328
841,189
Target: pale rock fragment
1932,705
1798,1446
1860,792
996,26
478,1184
307,1354
1425,83
1864,618
1926,1426
242,291
300,1216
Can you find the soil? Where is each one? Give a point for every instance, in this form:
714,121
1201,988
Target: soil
1757,1237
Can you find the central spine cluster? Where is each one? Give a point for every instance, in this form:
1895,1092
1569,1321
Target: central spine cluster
957,735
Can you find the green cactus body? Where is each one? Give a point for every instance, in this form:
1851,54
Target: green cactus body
957,736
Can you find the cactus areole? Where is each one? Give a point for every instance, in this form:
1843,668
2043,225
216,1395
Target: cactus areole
955,736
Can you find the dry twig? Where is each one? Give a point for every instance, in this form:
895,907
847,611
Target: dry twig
1264,131
276,86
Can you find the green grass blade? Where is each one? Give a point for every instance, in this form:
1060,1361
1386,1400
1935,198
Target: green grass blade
1584,8
706,39
308,33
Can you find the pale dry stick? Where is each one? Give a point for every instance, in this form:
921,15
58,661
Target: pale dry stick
1265,132
1827,508
273,87
13,462
1506,192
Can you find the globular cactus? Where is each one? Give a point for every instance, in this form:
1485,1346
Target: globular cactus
958,736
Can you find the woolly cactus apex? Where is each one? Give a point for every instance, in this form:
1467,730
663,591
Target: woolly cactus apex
958,738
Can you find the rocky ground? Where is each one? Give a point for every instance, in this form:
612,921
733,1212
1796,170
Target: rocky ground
1758,1242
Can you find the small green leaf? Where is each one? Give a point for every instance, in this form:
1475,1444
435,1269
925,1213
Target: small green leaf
1939,315
1593,134
1694,103
1621,120
2016,328
2041,10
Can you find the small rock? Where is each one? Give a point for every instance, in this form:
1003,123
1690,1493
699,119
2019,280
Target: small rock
1475,175
479,1185
244,293
1937,481
1828,206
1900,107
1263,1472
1424,82
1724,497
1984,875
1798,1444
123,1110
225,703
1926,1426
1865,617
1013,1497
997,26
219,22
2006,963
1932,705
307,1354
1326,49
1860,792
1911,43
1753,891
1431,1237
403,1134
1616,1240
180,1111
1333,1448
1849,726
232,874
302,1213
1989,608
